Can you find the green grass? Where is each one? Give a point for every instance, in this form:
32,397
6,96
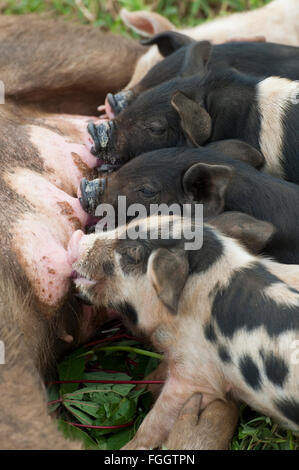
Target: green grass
105,13
123,403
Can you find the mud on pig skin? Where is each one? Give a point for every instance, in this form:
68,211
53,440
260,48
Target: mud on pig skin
39,316
38,189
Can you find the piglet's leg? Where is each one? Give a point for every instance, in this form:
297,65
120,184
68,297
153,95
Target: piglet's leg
160,373
213,429
157,424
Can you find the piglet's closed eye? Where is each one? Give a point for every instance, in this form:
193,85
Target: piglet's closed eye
168,272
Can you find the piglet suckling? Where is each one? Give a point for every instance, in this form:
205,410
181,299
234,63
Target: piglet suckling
224,176
227,325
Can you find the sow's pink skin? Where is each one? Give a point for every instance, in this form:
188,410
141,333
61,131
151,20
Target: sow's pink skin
41,235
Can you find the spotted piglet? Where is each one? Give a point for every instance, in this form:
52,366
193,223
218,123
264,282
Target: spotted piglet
227,325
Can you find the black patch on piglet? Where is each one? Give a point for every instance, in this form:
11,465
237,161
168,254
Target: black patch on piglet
108,268
243,305
127,310
224,354
201,260
209,333
250,372
275,367
289,407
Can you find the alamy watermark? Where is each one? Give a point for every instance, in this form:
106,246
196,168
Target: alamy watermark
188,221
2,92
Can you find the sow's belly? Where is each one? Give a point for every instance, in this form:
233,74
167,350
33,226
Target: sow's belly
43,175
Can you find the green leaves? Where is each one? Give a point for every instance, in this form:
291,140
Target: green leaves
259,433
118,440
76,434
82,417
103,404
71,368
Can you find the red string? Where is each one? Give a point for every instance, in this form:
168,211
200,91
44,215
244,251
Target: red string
131,362
135,382
99,369
92,426
111,338
53,402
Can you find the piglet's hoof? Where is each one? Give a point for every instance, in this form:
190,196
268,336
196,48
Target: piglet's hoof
213,429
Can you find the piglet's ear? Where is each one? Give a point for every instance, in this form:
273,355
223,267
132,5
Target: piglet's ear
168,42
168,272
207,184
196,122
239,150
253,233
196,59
145,22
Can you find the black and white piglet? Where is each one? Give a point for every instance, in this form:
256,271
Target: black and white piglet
225,323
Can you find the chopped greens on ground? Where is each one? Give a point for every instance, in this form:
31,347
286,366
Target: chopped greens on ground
120,407
117,407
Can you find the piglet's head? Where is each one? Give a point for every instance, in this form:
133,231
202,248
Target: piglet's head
118,102
146,279
142,279
178,176
168,115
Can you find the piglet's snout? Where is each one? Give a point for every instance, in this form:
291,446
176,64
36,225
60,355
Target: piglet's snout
73,249
90,194
109,106
76,250
116,103
101,135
